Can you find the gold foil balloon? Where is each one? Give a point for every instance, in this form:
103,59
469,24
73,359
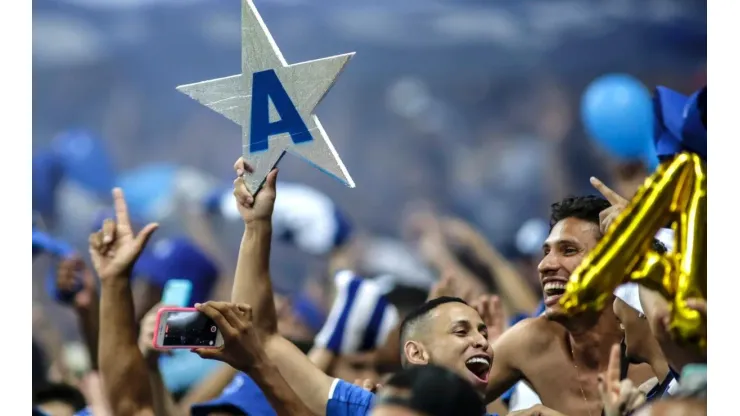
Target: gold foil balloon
675,194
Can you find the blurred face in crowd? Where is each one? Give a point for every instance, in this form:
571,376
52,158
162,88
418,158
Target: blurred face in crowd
455,337
569,241
637,335
289,324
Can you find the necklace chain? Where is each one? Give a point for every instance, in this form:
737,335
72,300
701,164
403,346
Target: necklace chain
578,376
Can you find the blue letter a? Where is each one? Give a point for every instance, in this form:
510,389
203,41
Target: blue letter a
265,87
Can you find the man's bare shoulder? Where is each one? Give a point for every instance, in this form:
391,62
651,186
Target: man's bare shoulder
530,332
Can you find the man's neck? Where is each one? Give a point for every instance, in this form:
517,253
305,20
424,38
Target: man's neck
658,363
591,338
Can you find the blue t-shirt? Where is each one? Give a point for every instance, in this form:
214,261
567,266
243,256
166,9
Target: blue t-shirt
346,399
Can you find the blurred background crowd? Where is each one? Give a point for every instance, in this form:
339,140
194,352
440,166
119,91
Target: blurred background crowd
468,108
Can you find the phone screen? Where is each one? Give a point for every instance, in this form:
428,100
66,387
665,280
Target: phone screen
186,328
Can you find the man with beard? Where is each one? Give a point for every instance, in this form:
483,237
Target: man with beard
559,355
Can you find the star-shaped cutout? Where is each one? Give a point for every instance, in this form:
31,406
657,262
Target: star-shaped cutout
294,91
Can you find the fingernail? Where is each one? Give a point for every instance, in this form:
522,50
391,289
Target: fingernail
107,238
197,305
239,172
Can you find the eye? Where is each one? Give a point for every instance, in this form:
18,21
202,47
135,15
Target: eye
569,251
460,332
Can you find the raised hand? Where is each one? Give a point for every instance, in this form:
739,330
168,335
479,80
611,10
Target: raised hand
489,308
619,203
73,276
115,248
254,208
242,347
619,397
147,329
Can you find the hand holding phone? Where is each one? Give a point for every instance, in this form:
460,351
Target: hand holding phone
242,348
186,328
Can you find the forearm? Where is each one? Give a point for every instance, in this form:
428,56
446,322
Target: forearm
281,396
88,318
122,366
252,285
164,404
308,383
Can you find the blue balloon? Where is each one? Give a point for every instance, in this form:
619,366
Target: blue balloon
617,111
149,190
85,161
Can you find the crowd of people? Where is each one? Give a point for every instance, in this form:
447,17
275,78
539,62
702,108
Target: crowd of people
478,340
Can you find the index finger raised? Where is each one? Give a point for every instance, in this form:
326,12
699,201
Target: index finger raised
121,209
611,196
612,371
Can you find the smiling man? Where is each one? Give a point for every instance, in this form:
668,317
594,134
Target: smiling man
446,331
561,356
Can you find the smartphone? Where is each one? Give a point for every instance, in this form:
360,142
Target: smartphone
180,328
177,293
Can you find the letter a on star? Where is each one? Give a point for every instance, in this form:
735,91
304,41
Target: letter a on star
274,102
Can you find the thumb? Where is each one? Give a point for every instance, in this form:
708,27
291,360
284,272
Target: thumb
602,388
145,234
271,179
208,353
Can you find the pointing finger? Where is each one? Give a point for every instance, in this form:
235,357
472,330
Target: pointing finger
119,203
611,196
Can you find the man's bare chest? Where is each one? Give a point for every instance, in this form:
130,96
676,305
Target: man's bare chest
563,386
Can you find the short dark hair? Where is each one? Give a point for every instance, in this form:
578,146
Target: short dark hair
419,315
435,391
59,392
585,208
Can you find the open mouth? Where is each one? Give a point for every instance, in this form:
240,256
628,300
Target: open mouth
553,291
480,366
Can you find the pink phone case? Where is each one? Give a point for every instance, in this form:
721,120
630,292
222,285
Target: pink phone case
175,347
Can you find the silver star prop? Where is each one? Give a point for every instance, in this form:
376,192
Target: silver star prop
239,97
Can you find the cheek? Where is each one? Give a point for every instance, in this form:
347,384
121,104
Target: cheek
572,262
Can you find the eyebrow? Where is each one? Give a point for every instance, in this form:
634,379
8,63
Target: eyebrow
547,244
461,322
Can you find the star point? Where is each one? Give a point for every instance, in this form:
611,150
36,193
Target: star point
274,103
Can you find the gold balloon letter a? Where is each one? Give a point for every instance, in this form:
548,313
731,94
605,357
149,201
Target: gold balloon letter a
677,195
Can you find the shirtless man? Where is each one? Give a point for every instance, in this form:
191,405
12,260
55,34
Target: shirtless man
558,355
450,333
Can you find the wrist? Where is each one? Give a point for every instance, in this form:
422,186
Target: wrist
259,366
114,280
258,226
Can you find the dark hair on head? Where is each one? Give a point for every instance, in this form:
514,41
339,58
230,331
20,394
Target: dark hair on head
406,298
59,392
585,208
417,316
435,391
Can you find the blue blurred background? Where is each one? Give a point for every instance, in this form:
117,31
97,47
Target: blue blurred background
468,106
